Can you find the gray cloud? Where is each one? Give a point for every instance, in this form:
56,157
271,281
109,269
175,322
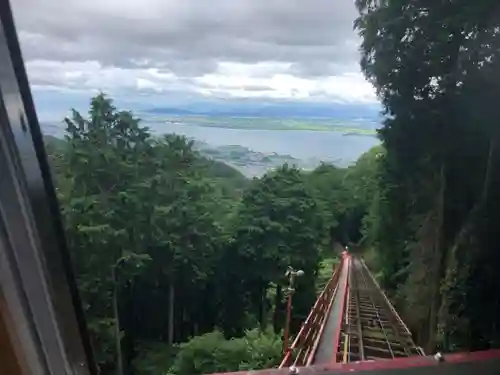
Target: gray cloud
189,37
184,50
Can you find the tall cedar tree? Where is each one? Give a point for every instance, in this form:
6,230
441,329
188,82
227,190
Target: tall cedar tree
435,65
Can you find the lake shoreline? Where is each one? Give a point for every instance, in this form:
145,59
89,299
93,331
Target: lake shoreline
305,147
338,129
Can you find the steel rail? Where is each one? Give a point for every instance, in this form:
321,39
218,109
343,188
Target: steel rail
366,329
359,328
381,323
375,329
347,347
388,303
347,338
395,319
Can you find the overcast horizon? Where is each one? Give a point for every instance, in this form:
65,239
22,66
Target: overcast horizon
166,52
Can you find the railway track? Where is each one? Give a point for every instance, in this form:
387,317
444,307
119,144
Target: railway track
371,329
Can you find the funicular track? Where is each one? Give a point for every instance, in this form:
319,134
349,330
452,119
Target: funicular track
371,329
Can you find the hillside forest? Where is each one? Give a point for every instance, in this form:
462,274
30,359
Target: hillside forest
181,260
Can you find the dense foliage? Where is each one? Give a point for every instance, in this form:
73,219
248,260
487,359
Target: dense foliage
170,246
211,353
435,65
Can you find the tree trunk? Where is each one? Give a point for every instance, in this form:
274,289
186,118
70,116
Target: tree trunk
464,233
262,299
171,299
277,308
474,212
119,358
437,260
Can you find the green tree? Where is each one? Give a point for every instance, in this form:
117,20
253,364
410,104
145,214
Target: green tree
327,184
101,194
211,353
185,226
434,66
142,221
344,195
278,225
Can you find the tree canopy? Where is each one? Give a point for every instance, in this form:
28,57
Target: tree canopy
435,67
174,251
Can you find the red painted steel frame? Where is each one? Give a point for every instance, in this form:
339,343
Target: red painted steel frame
426,363
336,339
416,361
308,334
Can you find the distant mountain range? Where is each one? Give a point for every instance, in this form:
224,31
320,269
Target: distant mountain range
276,109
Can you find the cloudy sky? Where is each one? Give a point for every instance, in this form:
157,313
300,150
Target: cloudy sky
178,51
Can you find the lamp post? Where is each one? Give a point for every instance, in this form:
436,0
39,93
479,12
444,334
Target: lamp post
291,274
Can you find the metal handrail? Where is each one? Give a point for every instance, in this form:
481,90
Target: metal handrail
322,328
311,328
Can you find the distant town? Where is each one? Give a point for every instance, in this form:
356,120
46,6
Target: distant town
249,162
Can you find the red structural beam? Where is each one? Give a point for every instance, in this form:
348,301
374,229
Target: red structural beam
343,290
449,364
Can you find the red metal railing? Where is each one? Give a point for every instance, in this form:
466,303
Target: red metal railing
302,350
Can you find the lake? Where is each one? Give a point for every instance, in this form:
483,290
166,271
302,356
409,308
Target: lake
302,144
